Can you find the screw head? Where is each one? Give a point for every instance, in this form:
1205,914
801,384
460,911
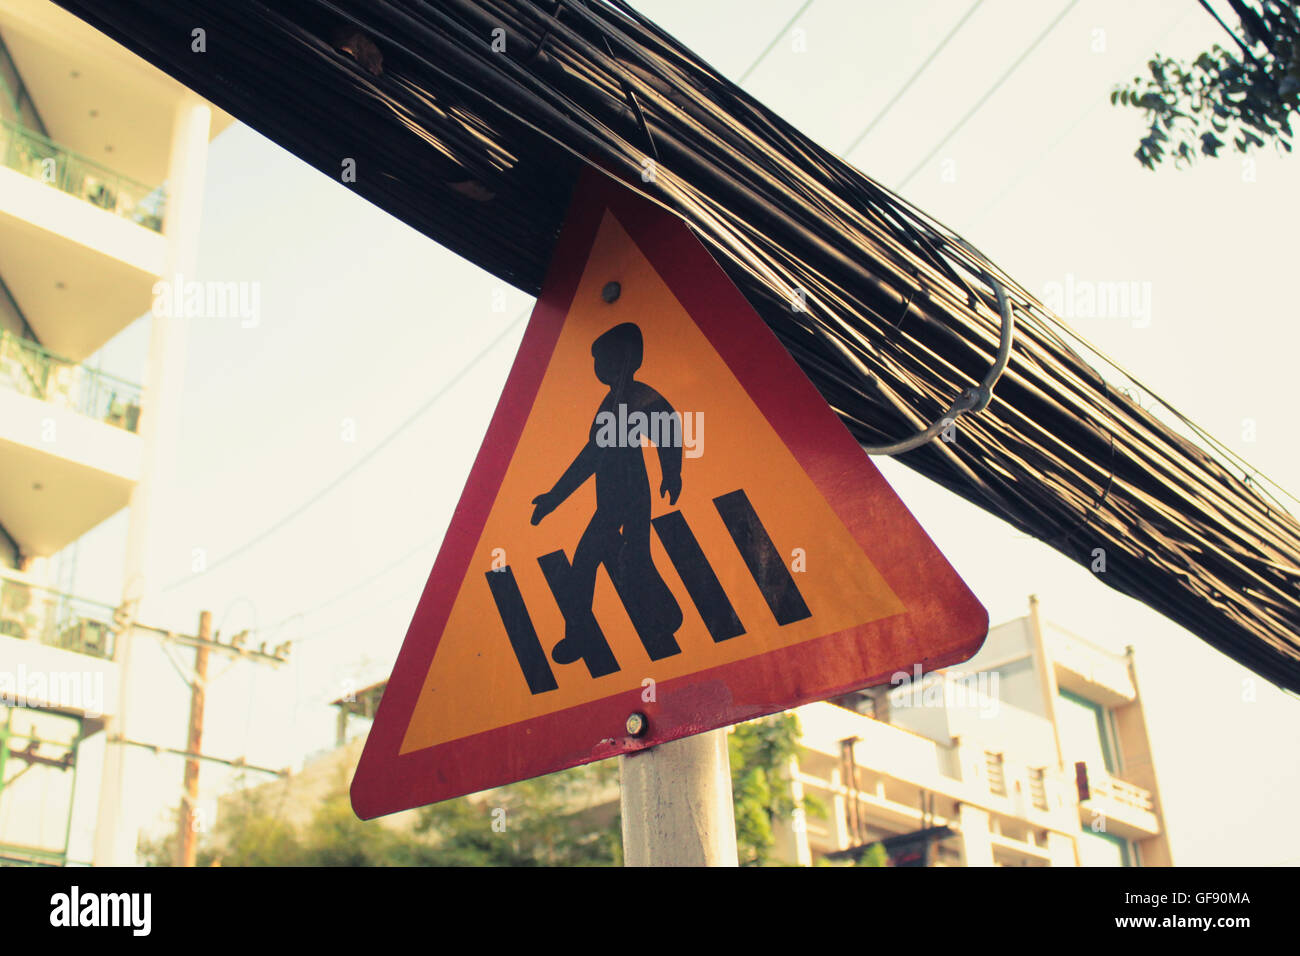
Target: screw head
636,724
611,292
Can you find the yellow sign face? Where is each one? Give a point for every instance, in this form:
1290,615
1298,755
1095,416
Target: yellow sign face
665,521
475,682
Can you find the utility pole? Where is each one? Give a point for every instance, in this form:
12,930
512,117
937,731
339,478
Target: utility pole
186,839
204,643
677,808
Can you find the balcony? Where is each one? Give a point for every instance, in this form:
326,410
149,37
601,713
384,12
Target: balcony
1126,809
1089,670
30,369
69,454
80,244
40,158
54,619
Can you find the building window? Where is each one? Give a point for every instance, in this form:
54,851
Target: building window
1104,849
1038,787
1086,731
996,772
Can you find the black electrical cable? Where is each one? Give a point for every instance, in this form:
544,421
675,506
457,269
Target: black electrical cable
479,147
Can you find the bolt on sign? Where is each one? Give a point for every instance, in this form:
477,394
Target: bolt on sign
667,530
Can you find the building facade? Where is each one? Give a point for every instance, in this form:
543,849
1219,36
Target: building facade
1033,753
101,179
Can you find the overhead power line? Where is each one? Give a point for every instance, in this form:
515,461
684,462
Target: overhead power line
364,582
1024,55
775,40
367,613
1095,103
1245,49
912,79
406,556
355,466
343,476
900,312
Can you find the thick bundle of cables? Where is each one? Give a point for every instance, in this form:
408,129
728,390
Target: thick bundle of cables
470,120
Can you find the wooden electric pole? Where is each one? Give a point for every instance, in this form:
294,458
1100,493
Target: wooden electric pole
187,837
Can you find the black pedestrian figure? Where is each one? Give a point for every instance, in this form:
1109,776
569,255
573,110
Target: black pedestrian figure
618,535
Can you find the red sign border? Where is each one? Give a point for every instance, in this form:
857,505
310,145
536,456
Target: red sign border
937,600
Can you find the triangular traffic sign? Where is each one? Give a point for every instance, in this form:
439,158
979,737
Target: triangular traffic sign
665,519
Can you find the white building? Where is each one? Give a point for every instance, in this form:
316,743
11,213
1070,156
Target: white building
1033,753
101,178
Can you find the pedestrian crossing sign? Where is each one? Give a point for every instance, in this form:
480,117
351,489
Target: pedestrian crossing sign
667,530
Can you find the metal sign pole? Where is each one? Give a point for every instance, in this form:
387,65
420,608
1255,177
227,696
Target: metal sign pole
676,800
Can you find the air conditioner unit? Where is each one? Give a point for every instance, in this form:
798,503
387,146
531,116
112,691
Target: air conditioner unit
16,616
86,637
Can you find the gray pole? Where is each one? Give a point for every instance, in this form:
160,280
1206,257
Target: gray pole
676,801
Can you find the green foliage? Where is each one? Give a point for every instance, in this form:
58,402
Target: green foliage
1247,93
760,751
564,819
254,837
250,834
532,823
335,837
541,822
874,855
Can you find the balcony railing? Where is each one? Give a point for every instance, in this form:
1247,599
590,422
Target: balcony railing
30,369
1121,791
1096,784
44,160
56,619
